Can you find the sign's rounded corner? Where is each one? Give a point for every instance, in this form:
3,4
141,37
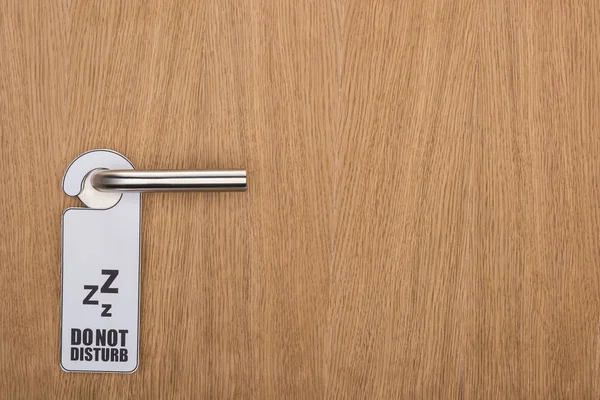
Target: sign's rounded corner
64,368
135,368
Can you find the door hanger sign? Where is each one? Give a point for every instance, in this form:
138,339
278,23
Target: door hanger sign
100,272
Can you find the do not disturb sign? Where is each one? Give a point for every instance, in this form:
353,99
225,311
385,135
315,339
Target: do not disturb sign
100,276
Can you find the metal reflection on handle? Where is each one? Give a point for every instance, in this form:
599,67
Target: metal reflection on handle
168,181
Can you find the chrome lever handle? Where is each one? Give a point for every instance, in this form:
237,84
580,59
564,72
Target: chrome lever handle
168,181
101,177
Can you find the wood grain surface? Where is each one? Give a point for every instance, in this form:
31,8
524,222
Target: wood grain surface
423,214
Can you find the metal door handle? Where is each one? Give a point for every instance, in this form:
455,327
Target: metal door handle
100,177
168,181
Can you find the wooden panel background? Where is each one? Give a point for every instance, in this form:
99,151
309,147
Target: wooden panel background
423,207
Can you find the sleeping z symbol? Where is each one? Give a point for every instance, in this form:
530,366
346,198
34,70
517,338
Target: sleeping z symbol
106,288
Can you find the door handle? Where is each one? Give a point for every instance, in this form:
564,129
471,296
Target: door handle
103,186
168,181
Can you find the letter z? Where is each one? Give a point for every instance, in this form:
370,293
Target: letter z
112,275
88,299
106,309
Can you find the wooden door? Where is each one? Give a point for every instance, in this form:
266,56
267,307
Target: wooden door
422,219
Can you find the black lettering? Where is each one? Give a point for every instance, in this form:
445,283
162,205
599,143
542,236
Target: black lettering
88,299
105,312
112,275
104,340
96,353
88,337
114,355
112,337
75,336
105,354
123,332
100,337
88,354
